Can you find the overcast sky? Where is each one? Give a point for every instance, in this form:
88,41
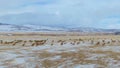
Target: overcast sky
87,13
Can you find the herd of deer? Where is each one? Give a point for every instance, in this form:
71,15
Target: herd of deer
100,42
23,43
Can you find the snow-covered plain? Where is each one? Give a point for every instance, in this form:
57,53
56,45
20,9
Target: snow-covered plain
66,56
87,52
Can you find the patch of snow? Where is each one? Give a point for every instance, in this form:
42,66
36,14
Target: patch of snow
18,61
95,56
85,66
24,52
7,56
2,66
41,47
110,48
55,58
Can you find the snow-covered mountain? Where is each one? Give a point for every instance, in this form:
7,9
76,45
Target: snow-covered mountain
43,28
9,27
91,29
30,27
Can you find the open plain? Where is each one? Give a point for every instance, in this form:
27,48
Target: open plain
58,50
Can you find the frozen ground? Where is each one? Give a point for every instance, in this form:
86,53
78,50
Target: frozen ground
66,56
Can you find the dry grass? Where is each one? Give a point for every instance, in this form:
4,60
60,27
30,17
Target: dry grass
67,59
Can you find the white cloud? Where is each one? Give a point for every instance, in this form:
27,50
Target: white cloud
74,12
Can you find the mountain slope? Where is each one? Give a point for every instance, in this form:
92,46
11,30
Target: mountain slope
29,27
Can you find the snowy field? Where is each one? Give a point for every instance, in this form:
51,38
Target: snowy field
62,52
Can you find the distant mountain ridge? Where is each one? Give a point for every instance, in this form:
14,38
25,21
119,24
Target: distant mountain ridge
29,27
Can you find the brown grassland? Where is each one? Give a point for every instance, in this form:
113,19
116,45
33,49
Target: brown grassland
59,50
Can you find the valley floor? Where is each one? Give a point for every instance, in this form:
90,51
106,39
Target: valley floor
89,53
